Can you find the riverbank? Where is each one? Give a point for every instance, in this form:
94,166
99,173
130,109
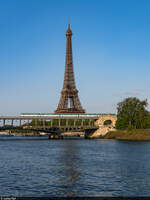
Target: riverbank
140,134
21,133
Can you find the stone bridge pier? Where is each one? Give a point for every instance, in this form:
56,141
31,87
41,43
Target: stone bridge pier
105,123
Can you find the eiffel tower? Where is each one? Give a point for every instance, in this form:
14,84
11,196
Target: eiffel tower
69,100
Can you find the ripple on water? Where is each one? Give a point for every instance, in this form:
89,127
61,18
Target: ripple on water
32,167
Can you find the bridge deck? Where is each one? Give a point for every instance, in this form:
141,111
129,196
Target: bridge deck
38,116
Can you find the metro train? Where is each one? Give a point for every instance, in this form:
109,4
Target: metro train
63,114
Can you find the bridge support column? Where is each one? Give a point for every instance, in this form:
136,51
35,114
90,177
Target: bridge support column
35,122
4,122
66,122
89,122
82,122
50,123
74,123
59,122
43,123
20,122
12,122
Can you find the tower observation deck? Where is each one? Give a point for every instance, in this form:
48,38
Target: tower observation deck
69,101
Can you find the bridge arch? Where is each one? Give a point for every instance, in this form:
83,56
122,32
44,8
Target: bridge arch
104,119
107,122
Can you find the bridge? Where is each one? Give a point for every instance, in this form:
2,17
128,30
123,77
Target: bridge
52,123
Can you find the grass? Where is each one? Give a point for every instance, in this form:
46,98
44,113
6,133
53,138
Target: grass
136,134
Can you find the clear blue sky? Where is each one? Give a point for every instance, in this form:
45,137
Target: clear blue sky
111,50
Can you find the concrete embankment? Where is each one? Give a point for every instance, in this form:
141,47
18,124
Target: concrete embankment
73,134
24,134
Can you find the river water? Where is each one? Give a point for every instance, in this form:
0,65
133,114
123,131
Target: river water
38,167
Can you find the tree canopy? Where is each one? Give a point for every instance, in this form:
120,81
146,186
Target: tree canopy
132,114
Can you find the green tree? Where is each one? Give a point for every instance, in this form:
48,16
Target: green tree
132,114
107,122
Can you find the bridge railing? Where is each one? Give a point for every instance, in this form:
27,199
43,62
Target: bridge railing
47,123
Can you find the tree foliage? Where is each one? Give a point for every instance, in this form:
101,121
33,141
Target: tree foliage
132,114
107,122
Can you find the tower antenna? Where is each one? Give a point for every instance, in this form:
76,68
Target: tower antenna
69,22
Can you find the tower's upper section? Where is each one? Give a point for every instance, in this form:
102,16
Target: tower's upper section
69,80
68,32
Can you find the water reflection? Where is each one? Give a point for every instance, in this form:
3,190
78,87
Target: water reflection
69,170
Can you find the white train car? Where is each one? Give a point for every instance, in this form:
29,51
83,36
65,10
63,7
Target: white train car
64,115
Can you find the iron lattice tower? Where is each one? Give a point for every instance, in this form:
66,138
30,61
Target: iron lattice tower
69,101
